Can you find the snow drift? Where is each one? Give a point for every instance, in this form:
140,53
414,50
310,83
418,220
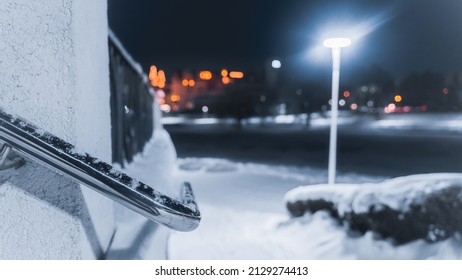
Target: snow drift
404,209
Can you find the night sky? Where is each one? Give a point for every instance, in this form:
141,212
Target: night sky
400,36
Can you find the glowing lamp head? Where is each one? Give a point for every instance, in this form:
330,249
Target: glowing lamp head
337,43
276,64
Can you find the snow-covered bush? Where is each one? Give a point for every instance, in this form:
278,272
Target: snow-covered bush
404,209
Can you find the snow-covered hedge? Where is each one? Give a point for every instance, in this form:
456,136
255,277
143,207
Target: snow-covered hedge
407,208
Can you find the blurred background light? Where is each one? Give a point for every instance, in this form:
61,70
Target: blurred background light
276,64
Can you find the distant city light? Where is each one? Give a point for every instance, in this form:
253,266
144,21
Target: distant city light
153,75
185,82
161,80
276,64
226,80
341,102
398,98
205,75
445,91
165,108
191,83
236,74
390,108
205,109
175,98
224,72
354,106
337,42
346,94
157,77
160,94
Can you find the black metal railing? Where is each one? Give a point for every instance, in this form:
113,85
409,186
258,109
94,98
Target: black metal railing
132,100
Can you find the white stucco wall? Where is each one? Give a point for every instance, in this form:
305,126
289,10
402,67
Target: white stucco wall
54,72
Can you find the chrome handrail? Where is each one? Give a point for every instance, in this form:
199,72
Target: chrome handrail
100,176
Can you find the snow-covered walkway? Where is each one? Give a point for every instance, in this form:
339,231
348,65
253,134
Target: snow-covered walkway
244,218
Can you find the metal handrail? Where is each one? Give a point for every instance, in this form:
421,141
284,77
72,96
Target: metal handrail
100,176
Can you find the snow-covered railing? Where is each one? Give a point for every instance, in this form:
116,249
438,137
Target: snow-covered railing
23,137
131,104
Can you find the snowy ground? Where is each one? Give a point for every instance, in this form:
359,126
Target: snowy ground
244,218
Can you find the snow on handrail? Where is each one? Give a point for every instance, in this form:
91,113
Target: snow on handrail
52,151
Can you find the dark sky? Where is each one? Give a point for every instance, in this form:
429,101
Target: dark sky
398,35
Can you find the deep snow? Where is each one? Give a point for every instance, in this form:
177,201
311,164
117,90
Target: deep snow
397,193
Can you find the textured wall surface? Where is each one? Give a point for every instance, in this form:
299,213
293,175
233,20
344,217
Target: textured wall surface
54,73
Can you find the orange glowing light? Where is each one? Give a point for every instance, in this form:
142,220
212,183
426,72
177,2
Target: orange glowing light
226,80
398,98
162,79
205,75
185,82
157,77
236,75
224,72
175,98
346,94
445,91
161,75
152,73
191,83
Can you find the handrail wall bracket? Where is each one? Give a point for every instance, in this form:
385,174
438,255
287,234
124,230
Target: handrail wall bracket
9,158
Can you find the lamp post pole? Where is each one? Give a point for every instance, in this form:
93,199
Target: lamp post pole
334,116
336,44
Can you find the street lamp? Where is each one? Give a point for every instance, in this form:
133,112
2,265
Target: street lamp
336,44
276,64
